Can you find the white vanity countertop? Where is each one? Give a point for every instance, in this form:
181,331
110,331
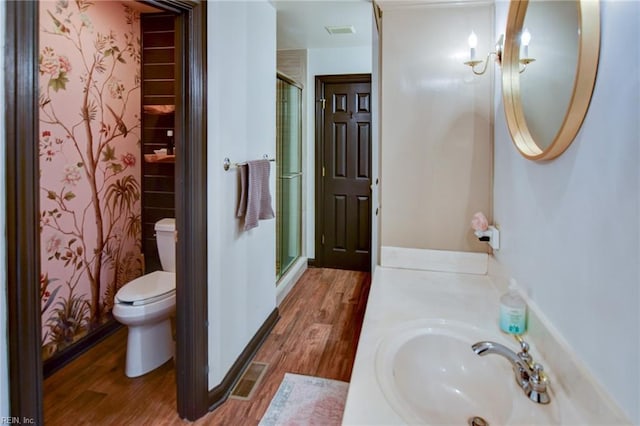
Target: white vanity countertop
400,295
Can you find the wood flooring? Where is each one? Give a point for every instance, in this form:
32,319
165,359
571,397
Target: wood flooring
317,335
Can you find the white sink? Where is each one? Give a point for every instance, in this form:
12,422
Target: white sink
430,375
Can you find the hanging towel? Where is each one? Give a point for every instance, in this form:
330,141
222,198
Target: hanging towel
255,198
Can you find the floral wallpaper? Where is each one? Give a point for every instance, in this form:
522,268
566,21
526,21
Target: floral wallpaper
90,155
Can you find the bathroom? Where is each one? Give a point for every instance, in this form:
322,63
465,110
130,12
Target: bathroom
114,189
568,233
99,223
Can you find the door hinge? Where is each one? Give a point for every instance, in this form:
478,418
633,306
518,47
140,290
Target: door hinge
324,102
322,239
323,171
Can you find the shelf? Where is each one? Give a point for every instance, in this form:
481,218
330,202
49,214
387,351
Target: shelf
159,109
154,158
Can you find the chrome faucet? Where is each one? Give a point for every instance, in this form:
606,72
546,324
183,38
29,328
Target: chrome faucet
529,375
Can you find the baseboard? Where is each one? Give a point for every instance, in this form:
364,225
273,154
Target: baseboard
220,393
65,356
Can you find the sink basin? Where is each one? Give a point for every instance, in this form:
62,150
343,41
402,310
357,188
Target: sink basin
430,375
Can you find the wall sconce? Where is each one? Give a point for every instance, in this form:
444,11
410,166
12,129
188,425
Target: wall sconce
525,39
473,62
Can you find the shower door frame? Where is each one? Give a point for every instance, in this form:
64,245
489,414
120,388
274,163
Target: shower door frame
283,271
22,209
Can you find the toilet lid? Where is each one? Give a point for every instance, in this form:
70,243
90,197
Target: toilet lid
147,287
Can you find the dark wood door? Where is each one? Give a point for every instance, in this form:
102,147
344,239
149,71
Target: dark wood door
345,208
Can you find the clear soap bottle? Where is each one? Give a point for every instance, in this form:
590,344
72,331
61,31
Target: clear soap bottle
513,311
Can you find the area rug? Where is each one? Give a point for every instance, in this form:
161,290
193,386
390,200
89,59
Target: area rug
305,400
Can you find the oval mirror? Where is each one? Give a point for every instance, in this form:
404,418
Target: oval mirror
549,69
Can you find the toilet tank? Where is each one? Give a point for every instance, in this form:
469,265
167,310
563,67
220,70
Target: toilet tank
166,242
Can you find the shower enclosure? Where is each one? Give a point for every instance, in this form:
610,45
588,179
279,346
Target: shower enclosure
288,173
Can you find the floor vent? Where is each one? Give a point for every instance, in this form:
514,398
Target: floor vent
249,381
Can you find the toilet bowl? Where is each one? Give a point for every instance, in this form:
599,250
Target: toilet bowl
145,306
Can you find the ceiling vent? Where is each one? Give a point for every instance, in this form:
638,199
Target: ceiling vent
343,29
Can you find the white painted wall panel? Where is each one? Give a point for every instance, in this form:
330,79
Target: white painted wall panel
241,126
436,129
570,228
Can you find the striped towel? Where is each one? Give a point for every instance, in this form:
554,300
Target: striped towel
255,198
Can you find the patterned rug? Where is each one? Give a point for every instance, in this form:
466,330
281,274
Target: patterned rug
306,400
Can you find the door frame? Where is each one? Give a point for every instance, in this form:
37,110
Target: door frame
22,209
320,100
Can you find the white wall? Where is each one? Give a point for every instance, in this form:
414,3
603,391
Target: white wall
570,228
4,342
348,60
436,145
241,125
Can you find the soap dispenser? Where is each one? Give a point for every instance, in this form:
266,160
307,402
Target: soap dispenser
513,311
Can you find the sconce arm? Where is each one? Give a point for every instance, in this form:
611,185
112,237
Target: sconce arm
525,62
473,64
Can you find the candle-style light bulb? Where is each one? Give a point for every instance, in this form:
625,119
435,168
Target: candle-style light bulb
500,43
525,39
473,43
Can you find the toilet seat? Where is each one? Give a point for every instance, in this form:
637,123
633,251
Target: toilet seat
148,288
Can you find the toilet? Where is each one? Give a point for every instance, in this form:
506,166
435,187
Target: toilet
146,304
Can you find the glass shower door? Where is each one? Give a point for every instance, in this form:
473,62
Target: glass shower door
289,174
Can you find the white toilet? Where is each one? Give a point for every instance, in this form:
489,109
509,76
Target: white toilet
146,304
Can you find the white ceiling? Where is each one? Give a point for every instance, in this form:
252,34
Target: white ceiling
301,23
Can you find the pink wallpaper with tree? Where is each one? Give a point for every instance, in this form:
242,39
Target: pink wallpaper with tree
90,157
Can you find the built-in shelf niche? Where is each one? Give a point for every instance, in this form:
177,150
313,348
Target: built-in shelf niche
158,117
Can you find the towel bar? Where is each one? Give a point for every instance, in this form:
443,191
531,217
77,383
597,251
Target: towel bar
227,164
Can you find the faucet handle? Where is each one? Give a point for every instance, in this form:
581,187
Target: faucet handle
524,346
537,387
538,376
524,352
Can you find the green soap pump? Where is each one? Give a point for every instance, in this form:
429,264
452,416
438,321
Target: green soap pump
513,311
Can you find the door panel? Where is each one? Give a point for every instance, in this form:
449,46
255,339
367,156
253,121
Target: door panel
364,145
339,144
346,200
363,240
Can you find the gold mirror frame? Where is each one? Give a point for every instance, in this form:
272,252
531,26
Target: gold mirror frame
584,81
